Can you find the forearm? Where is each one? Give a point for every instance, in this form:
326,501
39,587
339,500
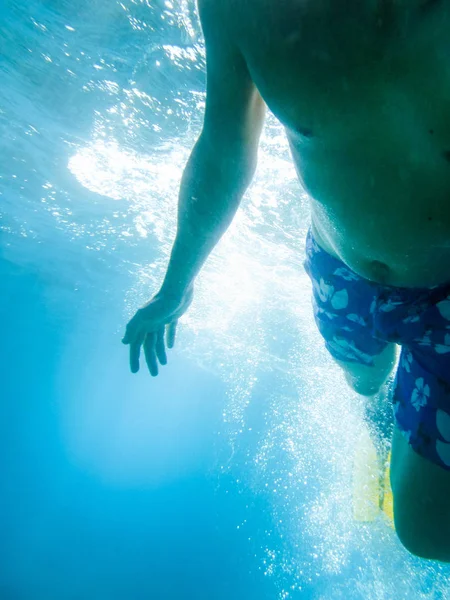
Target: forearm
210,193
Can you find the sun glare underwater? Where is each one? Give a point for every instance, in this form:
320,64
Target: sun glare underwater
230,474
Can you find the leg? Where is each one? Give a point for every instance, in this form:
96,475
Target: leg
421,492
348,312
367,380
343,311
420,462
343,305
378,413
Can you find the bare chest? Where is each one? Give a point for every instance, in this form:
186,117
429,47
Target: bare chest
330,65
363,89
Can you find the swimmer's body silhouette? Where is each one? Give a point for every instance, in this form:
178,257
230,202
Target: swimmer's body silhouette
363,90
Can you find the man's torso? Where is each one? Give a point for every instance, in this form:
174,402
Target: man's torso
363,89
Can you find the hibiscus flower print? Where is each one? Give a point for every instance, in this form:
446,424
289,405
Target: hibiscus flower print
314,245
420,394
326,293
340,300
444,308
443,348
389,305
312,248
407,435
415,312
407,359
322,311
349,351
346,274
411,319
356,319
425,340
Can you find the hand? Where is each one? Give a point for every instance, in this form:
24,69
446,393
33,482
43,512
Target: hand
153,326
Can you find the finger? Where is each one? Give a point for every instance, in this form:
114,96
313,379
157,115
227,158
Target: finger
150,354
131,330
160,347
171,331
135,352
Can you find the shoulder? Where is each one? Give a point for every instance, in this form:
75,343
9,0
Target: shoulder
214,12
210,8
218,21
223,15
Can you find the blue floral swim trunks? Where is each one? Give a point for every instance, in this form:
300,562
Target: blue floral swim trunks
358,318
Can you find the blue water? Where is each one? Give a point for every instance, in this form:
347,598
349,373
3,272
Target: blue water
229,475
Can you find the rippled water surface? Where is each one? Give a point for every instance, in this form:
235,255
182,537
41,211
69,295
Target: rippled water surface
228,476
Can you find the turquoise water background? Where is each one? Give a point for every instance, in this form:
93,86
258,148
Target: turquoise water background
229,475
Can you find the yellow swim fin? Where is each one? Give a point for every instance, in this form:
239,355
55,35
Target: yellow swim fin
372,492
387,503
366,475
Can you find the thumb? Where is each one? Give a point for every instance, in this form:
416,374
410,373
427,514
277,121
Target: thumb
132,330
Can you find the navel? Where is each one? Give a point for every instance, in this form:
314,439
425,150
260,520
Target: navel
304,131
380,271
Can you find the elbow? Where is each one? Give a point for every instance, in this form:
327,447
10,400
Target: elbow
230,161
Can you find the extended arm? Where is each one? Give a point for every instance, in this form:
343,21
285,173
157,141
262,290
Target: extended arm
223,161
218,172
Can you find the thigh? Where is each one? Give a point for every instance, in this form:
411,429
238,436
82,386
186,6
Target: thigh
421,491
343,310
368,379
420,466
